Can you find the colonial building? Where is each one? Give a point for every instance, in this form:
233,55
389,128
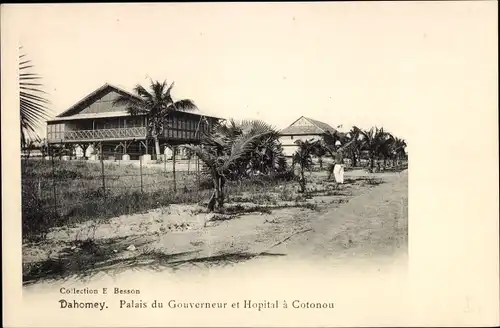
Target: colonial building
95,123
303,128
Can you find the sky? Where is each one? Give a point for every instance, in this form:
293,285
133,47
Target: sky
349,63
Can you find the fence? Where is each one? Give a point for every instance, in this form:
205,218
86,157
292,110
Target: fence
56,191
59,192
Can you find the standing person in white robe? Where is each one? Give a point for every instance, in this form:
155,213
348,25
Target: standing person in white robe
332,144
338,160
338,168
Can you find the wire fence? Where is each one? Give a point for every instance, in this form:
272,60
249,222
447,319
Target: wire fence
59,185
59,188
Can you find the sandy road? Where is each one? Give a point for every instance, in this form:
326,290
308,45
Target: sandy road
373,224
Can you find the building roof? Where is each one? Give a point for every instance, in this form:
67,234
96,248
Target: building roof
316,127
72,113
90,116
73,110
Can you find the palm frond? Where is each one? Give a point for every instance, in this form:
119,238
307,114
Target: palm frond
214,140
243,146
204,154
303,154
133,106
157,89
32,102
185,105
143,93
169,90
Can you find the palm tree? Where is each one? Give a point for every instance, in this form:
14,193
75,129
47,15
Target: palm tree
377,143
32,101
319,152
267,158
156,104
398,150
386,148
303,158
223,150
354,148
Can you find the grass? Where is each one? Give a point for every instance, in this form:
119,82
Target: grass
85,254
88,257
65,193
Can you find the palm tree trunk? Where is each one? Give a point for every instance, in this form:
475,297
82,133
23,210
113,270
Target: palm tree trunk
211,201
217,199
302,181
157,148
354,159
332,174
220,198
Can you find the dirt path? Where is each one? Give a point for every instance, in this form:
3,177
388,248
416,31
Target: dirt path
374,223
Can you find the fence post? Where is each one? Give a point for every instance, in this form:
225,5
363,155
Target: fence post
39,189
173,168
102,173
198,173
140,171
53,180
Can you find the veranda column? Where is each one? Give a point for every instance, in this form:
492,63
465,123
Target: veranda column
125,156
146,157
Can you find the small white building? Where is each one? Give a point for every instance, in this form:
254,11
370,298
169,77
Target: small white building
303,128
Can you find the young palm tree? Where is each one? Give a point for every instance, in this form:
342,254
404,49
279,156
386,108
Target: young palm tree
303,158
156,104
319,152
223,152
398,150
354,148
387,149
377,142
32,101
267,158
